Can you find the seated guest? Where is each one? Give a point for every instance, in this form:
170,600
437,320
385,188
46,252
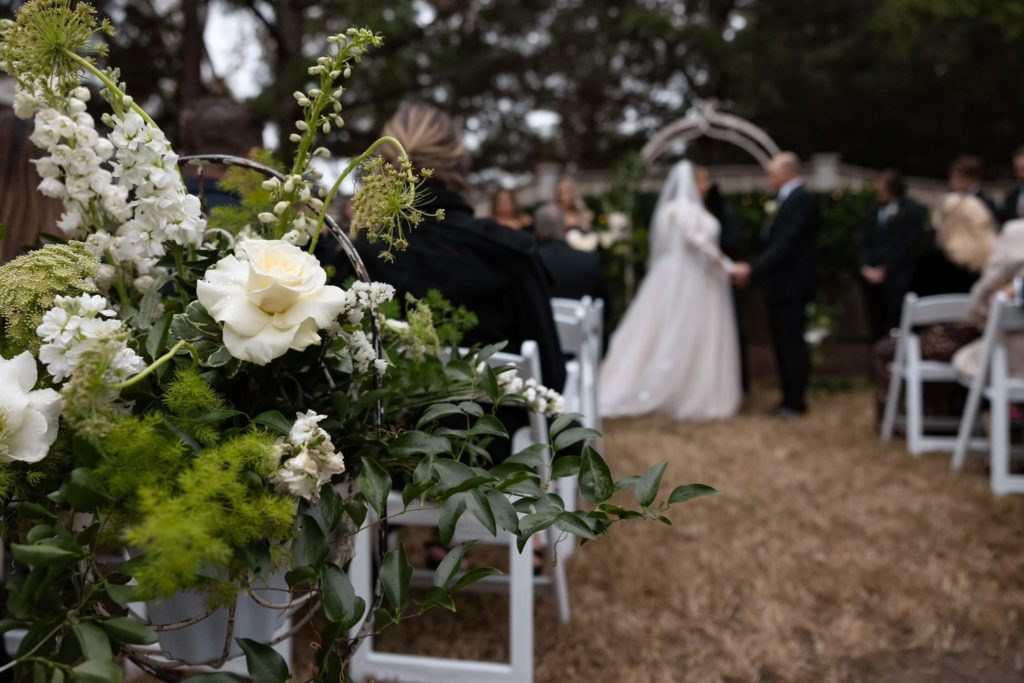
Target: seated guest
474,262
964,238
574,274
965,174
505,211
887,254
577,219
1005,264
1013,205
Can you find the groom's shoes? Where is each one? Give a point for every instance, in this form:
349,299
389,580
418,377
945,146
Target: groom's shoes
787,413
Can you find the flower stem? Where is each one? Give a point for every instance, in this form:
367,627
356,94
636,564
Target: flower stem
153,366
353,165
110,85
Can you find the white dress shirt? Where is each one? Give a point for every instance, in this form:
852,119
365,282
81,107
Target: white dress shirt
788,188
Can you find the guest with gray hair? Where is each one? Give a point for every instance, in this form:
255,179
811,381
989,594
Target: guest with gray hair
574,274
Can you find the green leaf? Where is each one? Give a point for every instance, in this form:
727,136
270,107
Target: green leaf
437,412
419,443
565,466
471,408
83,490
35,511
480,507
275,421
487,352
310,545
121,594
571,522
489,425
472,576
98,671
395,577
451,511
571,437
147,307
375,485
531,456
340,602
414,490
563,422
298,575
41,555
449,567
129,631
156,340
532,524
217,677
647,488
596,482
489,383
686,492
439,596
452,472
92,640
264,663
58,676
504,514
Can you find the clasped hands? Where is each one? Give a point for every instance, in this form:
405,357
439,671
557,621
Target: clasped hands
875,275
740,273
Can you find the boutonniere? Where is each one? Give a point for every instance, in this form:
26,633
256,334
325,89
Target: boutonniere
582,241
771,207
892,209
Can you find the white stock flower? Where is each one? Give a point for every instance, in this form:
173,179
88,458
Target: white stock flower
28,418
272,297
67,327
538,397
313,459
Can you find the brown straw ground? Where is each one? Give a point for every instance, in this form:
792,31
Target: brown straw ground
829,558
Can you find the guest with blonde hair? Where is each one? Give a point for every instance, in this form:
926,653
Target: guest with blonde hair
505,210
474,262
25,212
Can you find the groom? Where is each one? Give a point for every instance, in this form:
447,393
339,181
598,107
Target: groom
785,270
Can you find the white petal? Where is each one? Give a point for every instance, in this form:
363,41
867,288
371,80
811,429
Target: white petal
24,368
305,335
324,307
268,344
29,443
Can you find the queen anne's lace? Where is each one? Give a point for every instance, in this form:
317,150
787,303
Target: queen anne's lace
70,324
313,460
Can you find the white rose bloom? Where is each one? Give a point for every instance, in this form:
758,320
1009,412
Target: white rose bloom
28,419
273,299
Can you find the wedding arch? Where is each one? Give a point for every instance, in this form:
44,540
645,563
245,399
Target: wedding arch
704,119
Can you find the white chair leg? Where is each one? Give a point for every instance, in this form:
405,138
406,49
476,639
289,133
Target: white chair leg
999,438
891,404
915,412
556,558
520,612
968,420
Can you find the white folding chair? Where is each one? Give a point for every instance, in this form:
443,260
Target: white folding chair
581,332
519,583
993,381
909,368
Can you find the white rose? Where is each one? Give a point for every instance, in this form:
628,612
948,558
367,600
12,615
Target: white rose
28,419
272,299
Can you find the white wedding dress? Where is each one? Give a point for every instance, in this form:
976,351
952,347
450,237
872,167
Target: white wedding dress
676,350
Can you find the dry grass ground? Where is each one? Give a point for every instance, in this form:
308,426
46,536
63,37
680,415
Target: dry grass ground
828,558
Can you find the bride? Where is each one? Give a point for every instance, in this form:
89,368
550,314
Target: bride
676,350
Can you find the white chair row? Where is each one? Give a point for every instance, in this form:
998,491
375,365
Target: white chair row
992,382
581,333
519,583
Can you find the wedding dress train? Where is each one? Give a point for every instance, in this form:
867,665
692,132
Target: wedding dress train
676,350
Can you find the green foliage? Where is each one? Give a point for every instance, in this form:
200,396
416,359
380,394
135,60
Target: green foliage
30,283
218,505
196,406
254,198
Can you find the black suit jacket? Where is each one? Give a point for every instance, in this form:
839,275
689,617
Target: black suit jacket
987,201
785,267
574,274
490,269
892,243
1010,205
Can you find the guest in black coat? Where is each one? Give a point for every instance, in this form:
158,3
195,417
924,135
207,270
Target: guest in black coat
887,254
491,270
1013,205
785,271
574,274
965,174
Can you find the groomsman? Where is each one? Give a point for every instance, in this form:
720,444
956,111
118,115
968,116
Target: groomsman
965,176
887,254
785,270
1013,206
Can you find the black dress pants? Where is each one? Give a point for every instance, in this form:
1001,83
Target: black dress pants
788,321
884,306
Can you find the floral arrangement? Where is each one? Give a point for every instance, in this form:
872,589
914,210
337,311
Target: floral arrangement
187,405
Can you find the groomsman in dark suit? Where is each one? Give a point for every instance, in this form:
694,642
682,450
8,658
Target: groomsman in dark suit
965,175
892,232
1013,205
785,270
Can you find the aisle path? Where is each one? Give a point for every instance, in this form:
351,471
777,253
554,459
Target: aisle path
828,558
